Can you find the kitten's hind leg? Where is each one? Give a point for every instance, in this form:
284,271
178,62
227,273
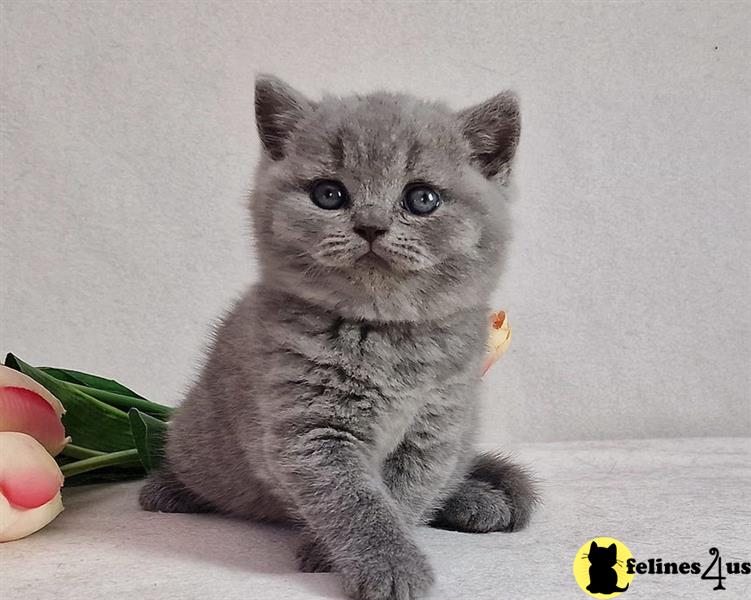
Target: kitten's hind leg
496,495
163,492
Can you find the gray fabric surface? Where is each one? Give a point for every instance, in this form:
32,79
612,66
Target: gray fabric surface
672,499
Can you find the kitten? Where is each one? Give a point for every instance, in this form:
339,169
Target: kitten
603,578
341,393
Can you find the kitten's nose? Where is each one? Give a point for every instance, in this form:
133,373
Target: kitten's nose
370,233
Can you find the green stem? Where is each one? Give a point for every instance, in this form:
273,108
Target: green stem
80,452
124,402
111,459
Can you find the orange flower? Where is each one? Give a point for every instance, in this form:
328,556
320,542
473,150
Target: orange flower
498,339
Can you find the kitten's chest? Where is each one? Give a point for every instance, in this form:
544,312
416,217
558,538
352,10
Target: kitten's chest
398,360
392,373
396,373
375,379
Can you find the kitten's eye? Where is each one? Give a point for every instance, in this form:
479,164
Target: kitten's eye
329,194
419,199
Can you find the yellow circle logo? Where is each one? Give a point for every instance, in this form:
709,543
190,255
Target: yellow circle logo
600,567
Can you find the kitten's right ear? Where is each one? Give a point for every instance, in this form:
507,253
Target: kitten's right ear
492,128
279,107
592,547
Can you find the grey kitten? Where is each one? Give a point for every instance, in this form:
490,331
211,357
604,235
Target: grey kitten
341,393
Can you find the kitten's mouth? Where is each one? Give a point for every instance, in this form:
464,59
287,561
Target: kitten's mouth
370,258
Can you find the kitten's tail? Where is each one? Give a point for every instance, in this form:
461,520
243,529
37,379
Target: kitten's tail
617,589
514,480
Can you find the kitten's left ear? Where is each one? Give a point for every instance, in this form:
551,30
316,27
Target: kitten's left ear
492,128
279,107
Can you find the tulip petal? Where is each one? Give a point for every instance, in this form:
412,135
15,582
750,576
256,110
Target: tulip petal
29,476
26,411
16,523
12,378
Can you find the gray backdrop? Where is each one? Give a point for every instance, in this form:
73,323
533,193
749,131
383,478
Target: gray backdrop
128,144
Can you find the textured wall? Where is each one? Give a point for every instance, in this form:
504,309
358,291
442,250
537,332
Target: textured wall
128,143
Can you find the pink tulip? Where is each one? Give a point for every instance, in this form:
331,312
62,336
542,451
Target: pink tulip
30,483
28,407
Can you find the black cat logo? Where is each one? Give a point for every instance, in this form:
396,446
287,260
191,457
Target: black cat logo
603,578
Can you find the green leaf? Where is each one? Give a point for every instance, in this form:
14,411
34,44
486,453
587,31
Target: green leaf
124,470
91,381
90,423
150,435
121,458
109,391
106,475
78,452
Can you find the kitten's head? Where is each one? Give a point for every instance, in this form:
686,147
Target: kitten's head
602,556
382,206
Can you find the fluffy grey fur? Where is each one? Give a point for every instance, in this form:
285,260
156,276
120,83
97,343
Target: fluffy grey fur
341,393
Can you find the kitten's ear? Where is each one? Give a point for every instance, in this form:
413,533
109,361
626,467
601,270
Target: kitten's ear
278,109
492,128
612,549
592,547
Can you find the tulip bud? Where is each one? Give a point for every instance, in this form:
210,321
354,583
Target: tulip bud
27,407
499,339
30,483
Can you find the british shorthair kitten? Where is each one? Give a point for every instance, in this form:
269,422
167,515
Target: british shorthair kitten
341,393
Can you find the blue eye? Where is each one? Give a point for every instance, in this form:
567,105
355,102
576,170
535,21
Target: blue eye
328,194
420,199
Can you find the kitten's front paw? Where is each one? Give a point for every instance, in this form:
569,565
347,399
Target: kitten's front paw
312,558
476,507
163,492
391,574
